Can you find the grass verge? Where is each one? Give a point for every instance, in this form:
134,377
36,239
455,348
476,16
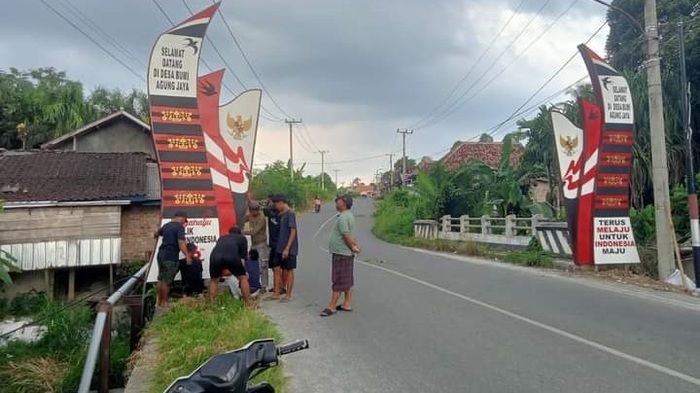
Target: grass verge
393,223
196,329
54,363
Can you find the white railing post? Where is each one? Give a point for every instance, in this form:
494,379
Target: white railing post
446,223
464,224
510,225
533,224
486,224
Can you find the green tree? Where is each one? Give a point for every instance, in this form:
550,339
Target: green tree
105,101
275,179
43,103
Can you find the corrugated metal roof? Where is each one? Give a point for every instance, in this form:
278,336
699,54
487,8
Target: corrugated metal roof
66,253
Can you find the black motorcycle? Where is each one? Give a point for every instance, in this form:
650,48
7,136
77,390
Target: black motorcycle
230,372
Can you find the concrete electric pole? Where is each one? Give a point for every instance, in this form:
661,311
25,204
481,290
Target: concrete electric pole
290,122
404,132
336,177
391,170
662,205
323,174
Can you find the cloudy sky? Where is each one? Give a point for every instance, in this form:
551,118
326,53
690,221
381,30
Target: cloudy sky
353,70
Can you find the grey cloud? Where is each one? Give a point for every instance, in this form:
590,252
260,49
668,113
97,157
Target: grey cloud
384,63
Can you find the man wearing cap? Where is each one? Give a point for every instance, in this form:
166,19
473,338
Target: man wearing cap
286,250
258,236
168,257
343,247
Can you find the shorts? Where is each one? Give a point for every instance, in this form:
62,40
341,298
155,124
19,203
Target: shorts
167,269
274,259
286,264
217,264
342,272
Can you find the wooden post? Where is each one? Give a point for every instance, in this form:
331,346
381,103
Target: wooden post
105,346
49,283
111,279
71,284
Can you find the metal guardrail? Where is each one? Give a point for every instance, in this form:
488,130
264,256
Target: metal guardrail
101,335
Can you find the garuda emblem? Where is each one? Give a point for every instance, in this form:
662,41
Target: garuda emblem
238,127
568,144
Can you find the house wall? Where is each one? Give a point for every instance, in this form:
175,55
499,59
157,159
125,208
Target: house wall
58,237
137,226
28,225
120,136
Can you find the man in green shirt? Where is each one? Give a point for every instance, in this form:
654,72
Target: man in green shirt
343,247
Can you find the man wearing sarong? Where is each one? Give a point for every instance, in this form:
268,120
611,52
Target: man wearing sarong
343,247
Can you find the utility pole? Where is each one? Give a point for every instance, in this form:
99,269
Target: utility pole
336,177
323,177
404,132
391,169
690,170
662,205
290,122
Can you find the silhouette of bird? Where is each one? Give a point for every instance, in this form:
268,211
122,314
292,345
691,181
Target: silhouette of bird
606,82
207,88
191,43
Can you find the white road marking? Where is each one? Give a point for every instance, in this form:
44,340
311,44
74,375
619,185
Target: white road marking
543,326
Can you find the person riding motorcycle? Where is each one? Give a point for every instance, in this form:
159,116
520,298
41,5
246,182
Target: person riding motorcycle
317,204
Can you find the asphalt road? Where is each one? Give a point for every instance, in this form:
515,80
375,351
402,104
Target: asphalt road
425,322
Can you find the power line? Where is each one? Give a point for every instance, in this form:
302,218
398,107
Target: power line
351,161
87,20
307,134
472,68
493,79
245,57
229,68
490,81
556,73
455,104
109,53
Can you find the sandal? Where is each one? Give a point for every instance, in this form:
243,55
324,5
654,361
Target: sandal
341,308
327,312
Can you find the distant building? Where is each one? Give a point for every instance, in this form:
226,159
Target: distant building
364,189
488,152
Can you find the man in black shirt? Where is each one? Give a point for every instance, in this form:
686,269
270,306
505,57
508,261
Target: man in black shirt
273,227
173,234
287,247
228,253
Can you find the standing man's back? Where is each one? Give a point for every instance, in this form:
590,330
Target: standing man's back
168,257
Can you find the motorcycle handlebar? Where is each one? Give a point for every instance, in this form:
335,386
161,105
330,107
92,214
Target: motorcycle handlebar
230,371
294,346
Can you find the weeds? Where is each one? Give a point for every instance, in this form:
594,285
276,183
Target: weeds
196,329
40,374
59,354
